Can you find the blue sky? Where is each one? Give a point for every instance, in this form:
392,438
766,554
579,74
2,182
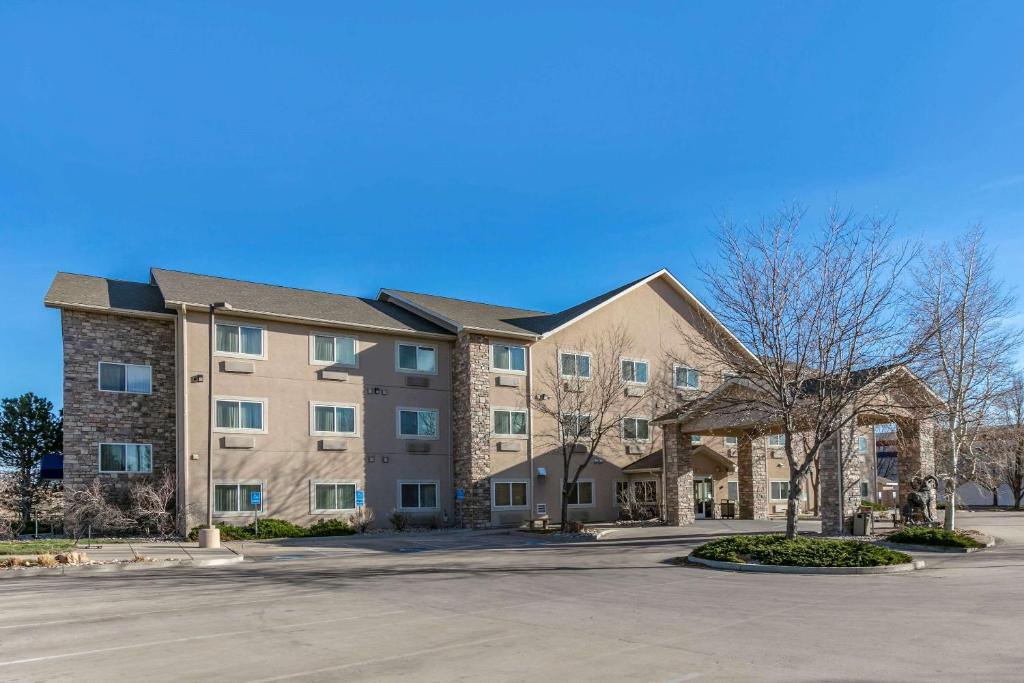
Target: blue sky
526,153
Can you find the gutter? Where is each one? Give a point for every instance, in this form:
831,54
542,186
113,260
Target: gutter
529,432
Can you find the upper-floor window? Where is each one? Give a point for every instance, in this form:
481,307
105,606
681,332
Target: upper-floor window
685,378
776,440
415,423
576,426
862,444
334,419
416,358
239,415
731,441
575,364
634,371
127,378
126,457
334,350
636,429
695,439
508,358
509,422
240,340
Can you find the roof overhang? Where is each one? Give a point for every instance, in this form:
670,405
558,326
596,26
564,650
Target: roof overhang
131,312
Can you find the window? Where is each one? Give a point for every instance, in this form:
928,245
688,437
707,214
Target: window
126,457
416,358
864,493
862,444
776,440
646,491
732,490
332,496
126,378
634,371
333,419
576,426
236,498
508,358
414,423
695,439
575,365
417,495
508,494
636,429
239,415
780,490
686,378
582,494
731,441
331,350
508,422
240,340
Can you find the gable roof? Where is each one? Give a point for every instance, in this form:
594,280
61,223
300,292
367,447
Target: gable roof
286,302
87,292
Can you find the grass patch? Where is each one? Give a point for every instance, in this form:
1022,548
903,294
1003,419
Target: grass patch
776,549
39,547
932,536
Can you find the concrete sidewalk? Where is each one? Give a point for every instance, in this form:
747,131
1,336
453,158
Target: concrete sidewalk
153,550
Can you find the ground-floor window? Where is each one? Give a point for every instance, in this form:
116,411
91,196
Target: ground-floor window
417,495
780,490
864,493
126,457
329,496
508,494
645,492
228,498
582,494
732,490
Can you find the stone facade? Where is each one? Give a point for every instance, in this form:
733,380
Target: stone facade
678,462
752,476
839,454
471,430
92,416
916,456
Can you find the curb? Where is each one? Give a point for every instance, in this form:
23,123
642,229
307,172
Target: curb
915,548
113,567
784,569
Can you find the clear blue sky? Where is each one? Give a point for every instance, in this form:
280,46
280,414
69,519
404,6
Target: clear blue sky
518,153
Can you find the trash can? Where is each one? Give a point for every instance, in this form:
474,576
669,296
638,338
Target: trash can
862,524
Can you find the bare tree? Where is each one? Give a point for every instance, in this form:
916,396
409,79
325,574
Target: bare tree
587,397
960,309
90,509
817,316
152,506
1008,442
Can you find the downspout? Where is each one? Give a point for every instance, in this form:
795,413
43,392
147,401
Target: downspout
529,432
451,435
183,502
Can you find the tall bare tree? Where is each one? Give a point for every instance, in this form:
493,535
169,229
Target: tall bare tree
1008,444
817,310
587,397
961,309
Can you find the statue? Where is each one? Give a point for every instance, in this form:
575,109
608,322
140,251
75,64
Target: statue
920,500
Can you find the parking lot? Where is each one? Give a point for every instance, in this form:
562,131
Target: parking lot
508,607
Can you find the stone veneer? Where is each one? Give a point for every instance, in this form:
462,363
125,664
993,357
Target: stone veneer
471,430
916,455
837,515
678,463
752,476
92,416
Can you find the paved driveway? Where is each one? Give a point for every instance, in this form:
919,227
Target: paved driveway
498,607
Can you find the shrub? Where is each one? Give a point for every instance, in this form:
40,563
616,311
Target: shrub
920,535
331,527
871,505
46,560
277,528
776,549
361,519
399,520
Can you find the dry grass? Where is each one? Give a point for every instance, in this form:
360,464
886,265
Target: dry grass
46,560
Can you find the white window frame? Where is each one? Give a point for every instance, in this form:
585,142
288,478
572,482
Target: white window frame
99,377
631,482
314,510
506,409
625,359
313,405
241,430
322,363
862,445
733,444
496,482
696,439
778,481
239,354
570,352
509,371
578,416
676,367
398,495
864,489
99,457
593,494
622,428
780,444
416,437
732,481
399,368
236,483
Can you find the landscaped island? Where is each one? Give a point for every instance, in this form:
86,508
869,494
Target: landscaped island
776,549
936,537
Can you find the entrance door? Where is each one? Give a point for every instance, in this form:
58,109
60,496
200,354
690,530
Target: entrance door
703,497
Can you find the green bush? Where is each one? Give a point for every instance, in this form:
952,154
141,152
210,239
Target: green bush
269,528
776,549
331,527
871,505
920,535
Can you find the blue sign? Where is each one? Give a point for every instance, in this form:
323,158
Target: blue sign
460,494
254,498
360,499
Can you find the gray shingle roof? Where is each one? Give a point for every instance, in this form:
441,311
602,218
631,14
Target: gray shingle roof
203,290
101,293
651,461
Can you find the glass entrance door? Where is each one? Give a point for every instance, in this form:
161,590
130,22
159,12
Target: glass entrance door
703,497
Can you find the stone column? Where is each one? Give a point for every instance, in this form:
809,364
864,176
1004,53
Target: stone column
841,467
752,472
678,465
471,430
916,454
